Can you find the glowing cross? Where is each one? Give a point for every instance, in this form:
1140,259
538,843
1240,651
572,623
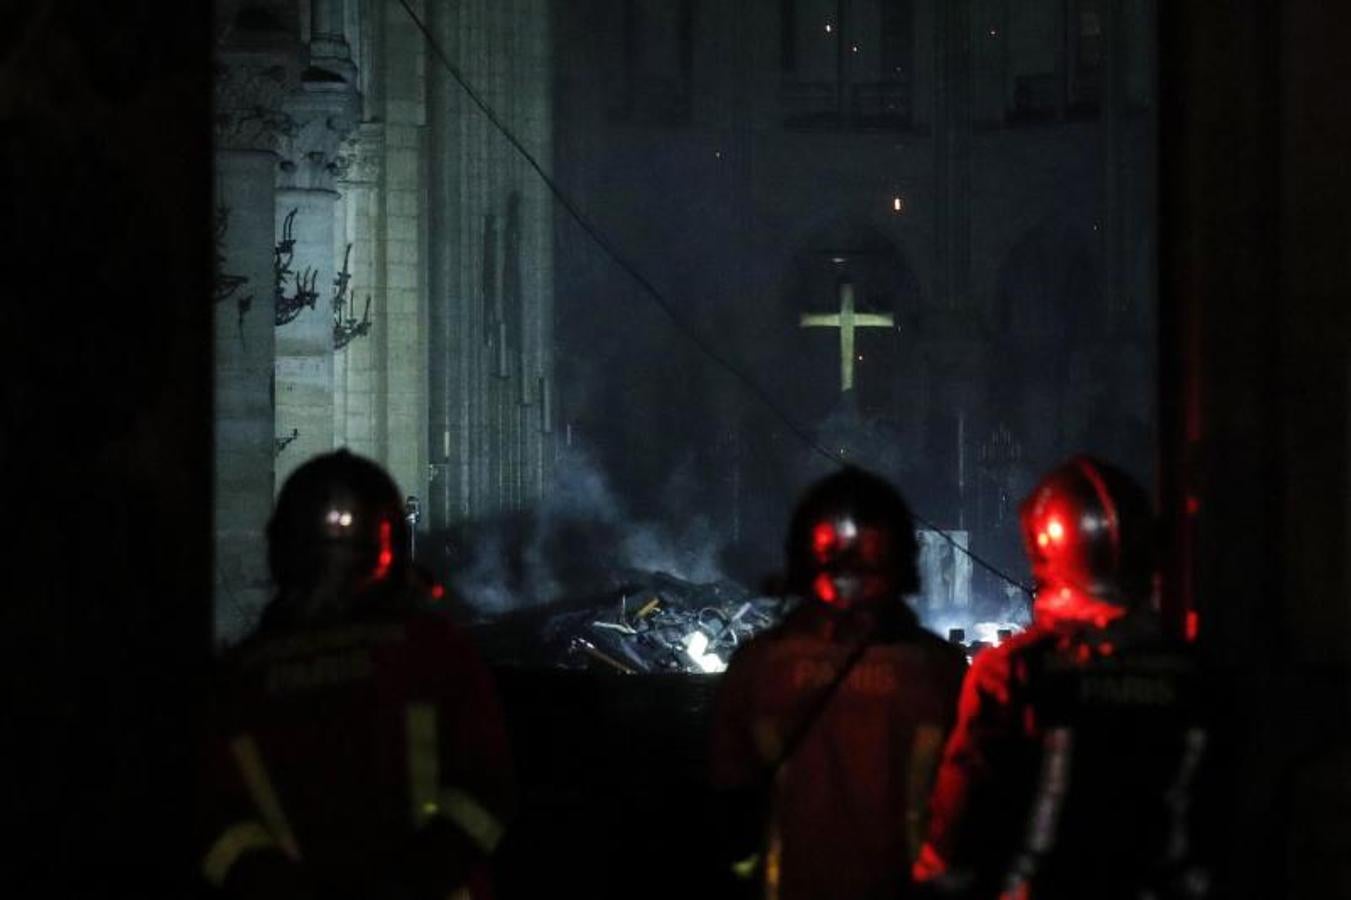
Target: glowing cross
847,320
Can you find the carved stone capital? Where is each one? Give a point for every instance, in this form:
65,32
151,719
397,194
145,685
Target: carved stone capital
324,115
250,93
361,156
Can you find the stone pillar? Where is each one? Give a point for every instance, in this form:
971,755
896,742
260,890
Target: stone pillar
535,117
324,111
329,50
326,22
251,82
443,228
356,366
404,220
342,263
489,261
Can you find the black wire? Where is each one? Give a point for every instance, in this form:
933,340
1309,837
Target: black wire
684,327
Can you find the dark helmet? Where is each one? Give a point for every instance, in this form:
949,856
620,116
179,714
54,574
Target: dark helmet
339,522
852,542
1088,528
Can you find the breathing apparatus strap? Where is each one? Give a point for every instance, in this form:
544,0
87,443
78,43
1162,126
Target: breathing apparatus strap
818,707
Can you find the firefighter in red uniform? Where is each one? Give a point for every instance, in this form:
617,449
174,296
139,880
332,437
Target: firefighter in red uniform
1072,767
357,747
828,727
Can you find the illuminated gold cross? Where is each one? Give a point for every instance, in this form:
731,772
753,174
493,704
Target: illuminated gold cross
847,320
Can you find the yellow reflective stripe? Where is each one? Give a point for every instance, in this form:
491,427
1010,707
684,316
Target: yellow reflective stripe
424,762
774,863
745,869
264,796
425,793
773,872
233,843
473,818
925,749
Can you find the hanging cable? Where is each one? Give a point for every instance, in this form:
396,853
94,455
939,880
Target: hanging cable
657,297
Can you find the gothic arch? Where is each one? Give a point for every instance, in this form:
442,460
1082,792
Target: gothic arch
805,369
1049,289
881,270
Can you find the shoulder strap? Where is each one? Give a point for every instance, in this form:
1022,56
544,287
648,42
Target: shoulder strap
819,704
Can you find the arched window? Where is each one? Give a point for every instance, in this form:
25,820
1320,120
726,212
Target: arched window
847,63
1037,62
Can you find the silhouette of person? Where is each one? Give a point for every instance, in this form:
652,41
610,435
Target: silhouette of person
357,747
828,727
1070,771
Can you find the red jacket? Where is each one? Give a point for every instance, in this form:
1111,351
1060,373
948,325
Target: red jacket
847,807
337,745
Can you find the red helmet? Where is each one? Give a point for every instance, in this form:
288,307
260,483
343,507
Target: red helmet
1088,529
339,523
852,542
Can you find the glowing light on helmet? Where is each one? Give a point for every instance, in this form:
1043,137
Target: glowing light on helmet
825,589
386,557
339,520
854,558
823,539
1051,534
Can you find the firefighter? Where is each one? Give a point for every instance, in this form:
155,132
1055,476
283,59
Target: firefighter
827,728
1071,770
357,748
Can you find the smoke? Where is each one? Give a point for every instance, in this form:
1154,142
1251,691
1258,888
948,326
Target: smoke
1017,606
580,489
689,553
491,580
580,541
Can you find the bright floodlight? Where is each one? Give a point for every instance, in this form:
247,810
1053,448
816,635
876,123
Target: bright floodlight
696,648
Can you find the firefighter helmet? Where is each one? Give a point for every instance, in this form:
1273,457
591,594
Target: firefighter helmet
1088,529
852,542
339,521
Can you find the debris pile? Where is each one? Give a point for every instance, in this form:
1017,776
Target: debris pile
654,623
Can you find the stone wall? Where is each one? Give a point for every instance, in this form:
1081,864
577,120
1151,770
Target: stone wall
363,134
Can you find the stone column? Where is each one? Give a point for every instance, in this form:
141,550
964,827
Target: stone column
253,75
329,49
341,263
357,365
404,221
444,212
533,115
477,203
324,111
